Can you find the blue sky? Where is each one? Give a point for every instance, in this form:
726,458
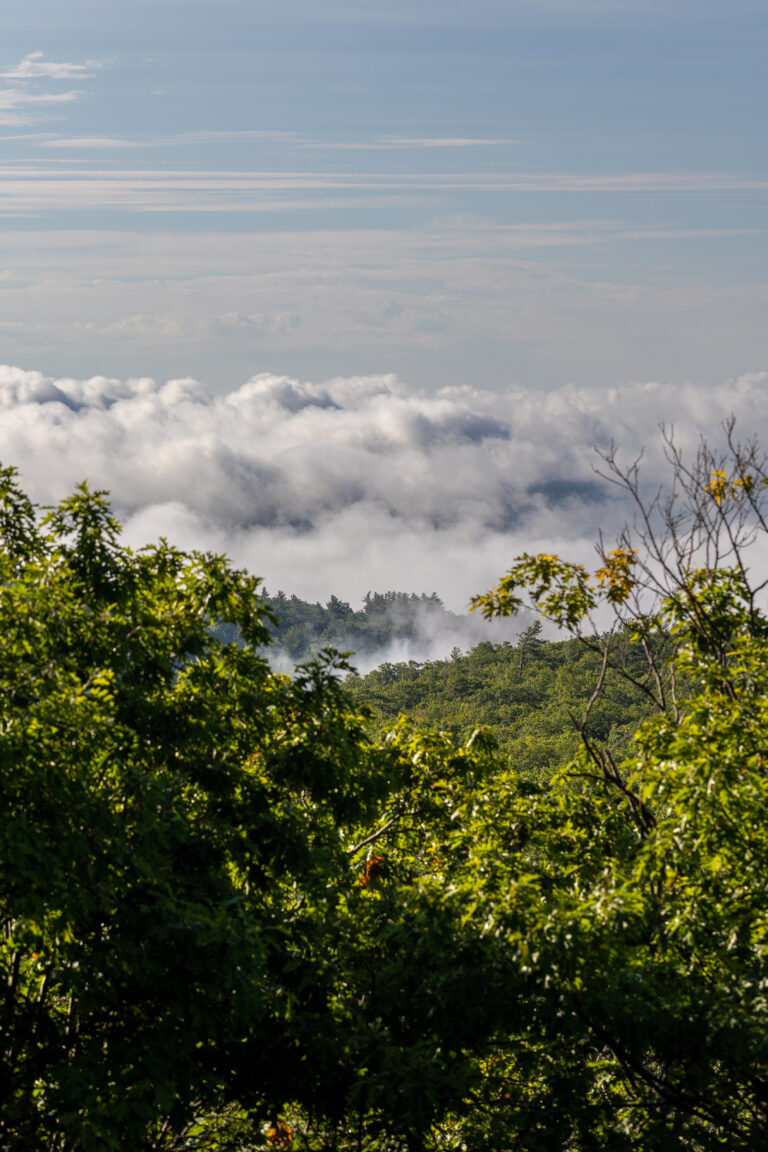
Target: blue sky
495,194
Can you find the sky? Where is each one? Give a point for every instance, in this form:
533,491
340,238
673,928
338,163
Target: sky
509,224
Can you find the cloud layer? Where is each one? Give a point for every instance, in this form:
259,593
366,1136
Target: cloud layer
358,483
27,189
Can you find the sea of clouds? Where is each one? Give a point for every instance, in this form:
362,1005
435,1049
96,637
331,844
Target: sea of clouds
359,483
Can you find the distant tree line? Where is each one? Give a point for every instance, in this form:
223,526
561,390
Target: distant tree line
299,629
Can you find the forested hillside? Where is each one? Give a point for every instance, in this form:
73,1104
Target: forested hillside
384,619
530,693
387,626
531,696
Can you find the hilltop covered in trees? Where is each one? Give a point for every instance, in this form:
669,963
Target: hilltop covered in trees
388,626
385,619
530,694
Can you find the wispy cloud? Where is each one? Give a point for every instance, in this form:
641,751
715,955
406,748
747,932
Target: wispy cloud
89,143
390,143
222,136
231,136
295,140
36,67
27,189
21,106
22,103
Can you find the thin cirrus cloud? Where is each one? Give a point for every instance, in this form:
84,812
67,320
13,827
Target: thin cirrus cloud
392,143
36,67
22,103
90,143
222,136
355,483
19,106
26,188
271,136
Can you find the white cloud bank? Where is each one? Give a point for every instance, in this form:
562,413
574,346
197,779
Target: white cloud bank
358,483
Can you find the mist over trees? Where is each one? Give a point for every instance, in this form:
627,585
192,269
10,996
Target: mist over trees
397,626
245,910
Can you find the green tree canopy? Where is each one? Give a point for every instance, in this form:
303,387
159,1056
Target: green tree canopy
200,926
233,919
636,898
